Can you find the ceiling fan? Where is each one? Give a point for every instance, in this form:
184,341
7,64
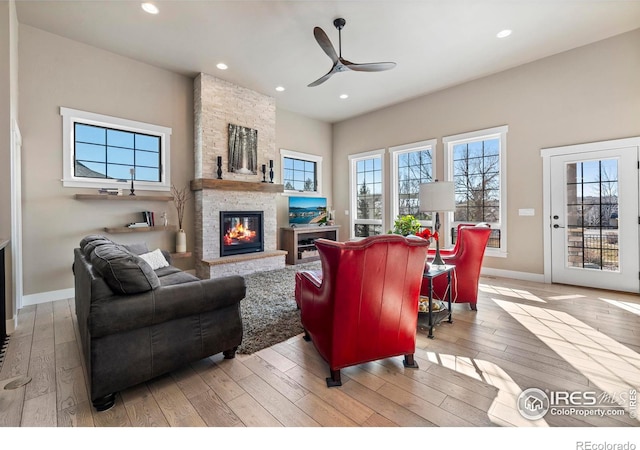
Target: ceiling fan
339,63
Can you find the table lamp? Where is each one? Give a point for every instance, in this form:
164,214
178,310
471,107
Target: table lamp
435,197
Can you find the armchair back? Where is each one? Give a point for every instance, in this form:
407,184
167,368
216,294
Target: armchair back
467,256
364,307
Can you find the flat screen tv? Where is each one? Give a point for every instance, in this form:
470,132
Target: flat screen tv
307,211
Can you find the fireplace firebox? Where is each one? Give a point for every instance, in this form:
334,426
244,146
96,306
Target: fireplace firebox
241,232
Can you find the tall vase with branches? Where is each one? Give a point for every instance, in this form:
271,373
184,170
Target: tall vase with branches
180,198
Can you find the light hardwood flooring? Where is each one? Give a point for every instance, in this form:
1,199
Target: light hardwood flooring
524,334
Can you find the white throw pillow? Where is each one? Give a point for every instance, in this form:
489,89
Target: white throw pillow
155,259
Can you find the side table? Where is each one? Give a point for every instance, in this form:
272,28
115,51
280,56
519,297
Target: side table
430,275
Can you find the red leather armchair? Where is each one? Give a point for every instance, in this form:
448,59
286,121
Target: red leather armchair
364,305
467,256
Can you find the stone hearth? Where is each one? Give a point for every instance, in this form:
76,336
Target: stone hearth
211,197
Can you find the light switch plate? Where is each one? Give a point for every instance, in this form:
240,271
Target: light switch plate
526,212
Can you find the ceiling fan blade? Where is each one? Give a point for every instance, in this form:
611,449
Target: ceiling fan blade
325,44
322,79
370,67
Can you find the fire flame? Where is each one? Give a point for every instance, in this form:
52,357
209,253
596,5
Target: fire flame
238,233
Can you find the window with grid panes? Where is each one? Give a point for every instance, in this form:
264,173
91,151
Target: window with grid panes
367,195
412,165
103,151
477,168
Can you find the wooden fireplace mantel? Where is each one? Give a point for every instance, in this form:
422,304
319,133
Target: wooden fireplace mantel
232,185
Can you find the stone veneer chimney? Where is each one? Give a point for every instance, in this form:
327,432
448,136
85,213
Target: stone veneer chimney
217,103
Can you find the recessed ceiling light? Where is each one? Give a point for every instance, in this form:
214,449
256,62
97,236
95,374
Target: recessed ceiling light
150,8
503,34
279,89
343,96
222,66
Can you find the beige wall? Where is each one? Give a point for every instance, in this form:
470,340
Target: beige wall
587,94
56,72
305,135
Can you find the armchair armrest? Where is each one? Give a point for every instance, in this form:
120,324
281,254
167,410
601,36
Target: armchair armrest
314,302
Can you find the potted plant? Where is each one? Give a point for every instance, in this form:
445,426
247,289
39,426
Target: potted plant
180,198
406,225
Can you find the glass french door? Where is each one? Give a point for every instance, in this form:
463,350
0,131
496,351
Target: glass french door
594,219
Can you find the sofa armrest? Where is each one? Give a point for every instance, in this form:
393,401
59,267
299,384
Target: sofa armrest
127,312
167,256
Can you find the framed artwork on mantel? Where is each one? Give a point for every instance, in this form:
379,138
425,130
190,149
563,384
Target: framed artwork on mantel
243,150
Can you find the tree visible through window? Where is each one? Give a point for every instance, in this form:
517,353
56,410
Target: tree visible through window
476,165
299,175
476,174
414,168
368,175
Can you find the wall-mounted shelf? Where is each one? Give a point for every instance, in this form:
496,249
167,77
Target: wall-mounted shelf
181,255
124,198
139,229
130,198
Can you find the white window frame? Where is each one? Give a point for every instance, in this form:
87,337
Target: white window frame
395,152
353,189
72,116
304,157
499,132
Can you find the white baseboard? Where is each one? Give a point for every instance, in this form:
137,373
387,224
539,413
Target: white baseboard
525,276
50,296
11,326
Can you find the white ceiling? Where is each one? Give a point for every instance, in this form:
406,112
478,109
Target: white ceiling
435,43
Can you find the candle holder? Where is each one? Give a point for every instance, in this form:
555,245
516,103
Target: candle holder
264,173
271,171
219,167
132,171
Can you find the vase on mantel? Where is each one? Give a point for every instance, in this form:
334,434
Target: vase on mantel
181,241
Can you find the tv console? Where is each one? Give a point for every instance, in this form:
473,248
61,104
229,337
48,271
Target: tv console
299,242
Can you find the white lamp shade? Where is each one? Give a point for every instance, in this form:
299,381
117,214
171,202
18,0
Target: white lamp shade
437,196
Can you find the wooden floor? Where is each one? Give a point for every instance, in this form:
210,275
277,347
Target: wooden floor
556,338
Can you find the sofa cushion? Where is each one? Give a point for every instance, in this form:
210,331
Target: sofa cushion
124,272
89,243
137,248
177,277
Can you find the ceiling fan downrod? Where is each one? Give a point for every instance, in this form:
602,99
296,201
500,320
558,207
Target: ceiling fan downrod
339,24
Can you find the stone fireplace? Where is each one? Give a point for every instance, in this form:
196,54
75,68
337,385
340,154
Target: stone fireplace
218,103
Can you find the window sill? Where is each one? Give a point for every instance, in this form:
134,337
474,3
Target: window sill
100,183
495,253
